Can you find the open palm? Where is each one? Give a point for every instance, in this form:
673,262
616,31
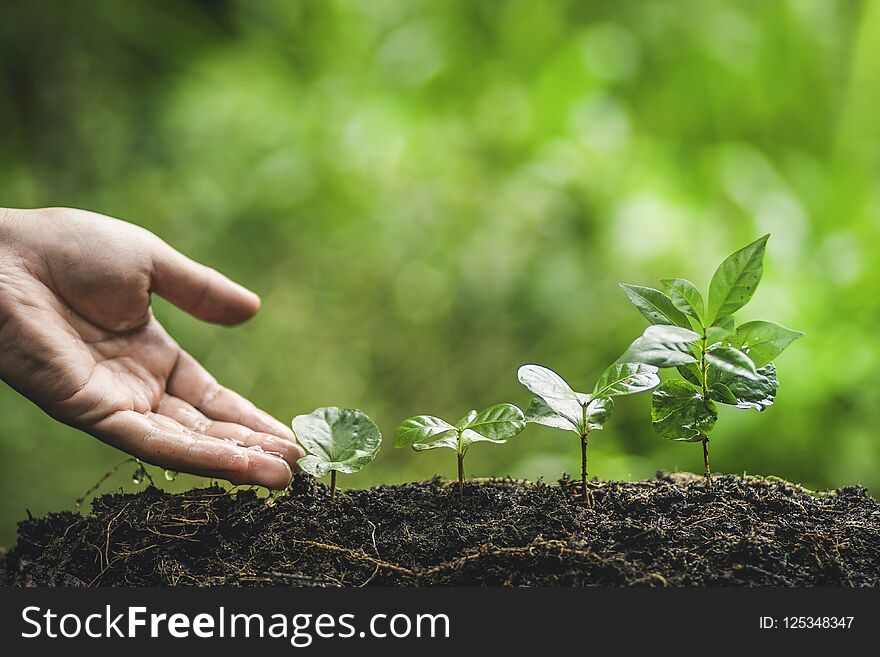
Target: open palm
79,339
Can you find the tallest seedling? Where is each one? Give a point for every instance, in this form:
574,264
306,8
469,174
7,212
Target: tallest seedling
718,360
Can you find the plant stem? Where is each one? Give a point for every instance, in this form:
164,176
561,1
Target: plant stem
704,366
461,474
706,461
460,467
587,499
332,485
585,431
704,380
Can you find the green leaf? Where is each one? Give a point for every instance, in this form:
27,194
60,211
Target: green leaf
497,423
763,341
539,412
655,306
419,429
747,393
469,436
466,420
598,411
686,297
733,361
448,440
679,412
553,389
691,373
735,280
721,393
342,439
625,379
722,330
662,346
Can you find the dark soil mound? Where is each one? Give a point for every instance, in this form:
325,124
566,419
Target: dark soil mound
669,531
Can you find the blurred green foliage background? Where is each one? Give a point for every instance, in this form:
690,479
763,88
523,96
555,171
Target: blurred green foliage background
429,193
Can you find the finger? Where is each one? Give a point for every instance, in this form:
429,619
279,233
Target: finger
192,418
192,383
164,443
199,290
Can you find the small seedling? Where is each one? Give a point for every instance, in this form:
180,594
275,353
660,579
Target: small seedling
719,362
336,440
557,405
495,425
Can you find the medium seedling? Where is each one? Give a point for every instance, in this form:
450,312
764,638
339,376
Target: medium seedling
557,405
336,440
495,425
719,362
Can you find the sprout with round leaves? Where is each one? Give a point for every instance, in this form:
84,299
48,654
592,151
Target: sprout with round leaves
494,425
336,440
556,405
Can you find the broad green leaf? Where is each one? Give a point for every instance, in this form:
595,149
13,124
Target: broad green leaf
721,393
732,361
747,393
495,424
679,412
448,440
661,346
342,439
539,412
545,382
735,280
655,306
553,389
625,379
685,296
469,436
598,411
691,373
722,330
466,420
419,429
763,341
498,422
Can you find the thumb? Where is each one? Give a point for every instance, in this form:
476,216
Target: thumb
199,290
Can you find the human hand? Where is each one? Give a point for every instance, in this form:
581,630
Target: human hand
78,338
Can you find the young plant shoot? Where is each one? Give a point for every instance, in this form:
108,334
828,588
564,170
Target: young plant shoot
495,425
556,405
336,440
719,361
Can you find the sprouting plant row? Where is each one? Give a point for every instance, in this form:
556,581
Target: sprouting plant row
718,362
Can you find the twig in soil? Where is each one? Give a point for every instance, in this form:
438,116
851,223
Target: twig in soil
376,550
358,555
650,578
788,484
104,478
550,548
